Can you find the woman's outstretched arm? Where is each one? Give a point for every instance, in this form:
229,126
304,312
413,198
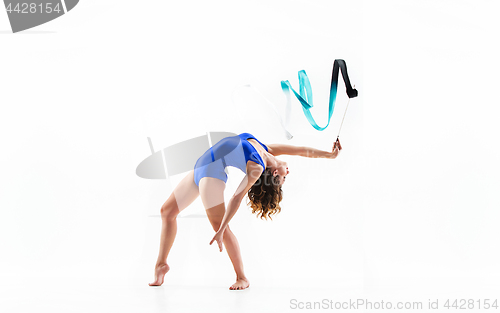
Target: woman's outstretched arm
308,152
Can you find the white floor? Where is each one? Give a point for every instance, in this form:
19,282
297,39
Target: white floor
283,277
134,295
65,295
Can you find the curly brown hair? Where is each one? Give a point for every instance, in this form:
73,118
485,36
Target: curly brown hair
265,195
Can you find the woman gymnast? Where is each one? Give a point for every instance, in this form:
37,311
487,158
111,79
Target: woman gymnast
265,175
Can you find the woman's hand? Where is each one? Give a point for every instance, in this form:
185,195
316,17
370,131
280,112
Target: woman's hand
218,237
336,149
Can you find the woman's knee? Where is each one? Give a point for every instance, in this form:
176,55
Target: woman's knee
227,232
216,224
169,211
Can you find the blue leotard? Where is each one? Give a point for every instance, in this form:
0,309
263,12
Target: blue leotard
231,151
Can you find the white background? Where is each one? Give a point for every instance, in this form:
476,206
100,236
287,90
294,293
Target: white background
408,210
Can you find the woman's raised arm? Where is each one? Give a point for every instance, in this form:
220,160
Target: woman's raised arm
308,152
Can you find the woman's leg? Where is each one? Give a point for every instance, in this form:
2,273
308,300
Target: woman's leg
212,196
183,195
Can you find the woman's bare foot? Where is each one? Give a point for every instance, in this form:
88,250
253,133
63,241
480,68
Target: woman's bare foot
240,284
160,272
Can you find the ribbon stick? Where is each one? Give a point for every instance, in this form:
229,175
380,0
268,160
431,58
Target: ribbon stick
306,99
342,123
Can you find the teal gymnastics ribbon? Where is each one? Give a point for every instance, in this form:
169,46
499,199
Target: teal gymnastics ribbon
306,99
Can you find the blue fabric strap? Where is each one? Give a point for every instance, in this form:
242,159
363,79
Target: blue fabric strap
306,98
